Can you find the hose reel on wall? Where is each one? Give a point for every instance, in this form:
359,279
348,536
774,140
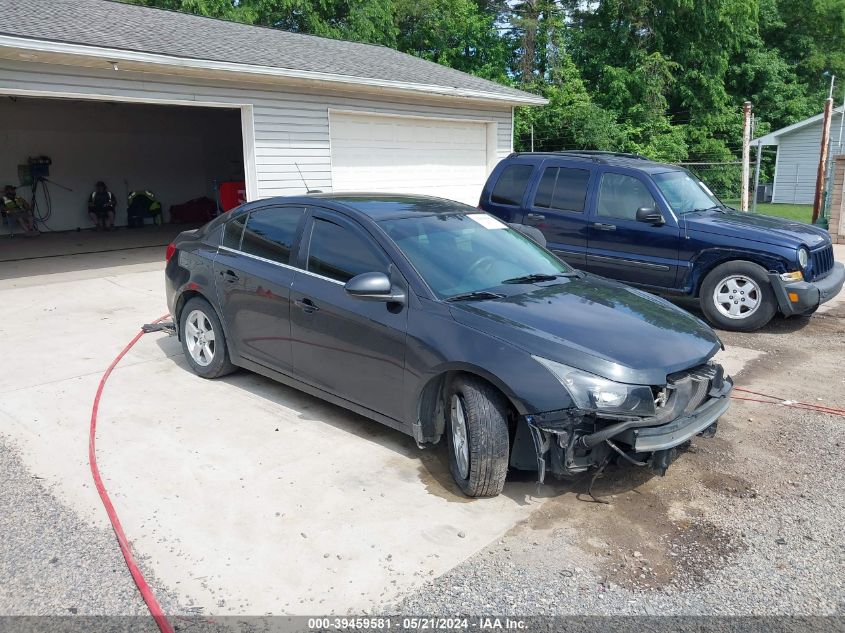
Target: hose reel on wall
35,174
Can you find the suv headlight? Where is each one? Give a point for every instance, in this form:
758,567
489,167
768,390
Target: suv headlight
594,393
803,257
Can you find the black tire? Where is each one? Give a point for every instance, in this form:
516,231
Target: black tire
487,439
756,283
212,365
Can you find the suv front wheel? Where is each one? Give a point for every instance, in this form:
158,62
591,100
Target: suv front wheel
737,296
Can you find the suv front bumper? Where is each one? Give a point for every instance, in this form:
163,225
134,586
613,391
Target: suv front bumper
798,297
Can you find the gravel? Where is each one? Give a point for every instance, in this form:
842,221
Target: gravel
52,563
747,523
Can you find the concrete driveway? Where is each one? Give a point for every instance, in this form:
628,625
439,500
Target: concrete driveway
242,495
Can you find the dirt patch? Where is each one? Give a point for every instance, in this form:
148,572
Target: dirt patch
728,485
651,533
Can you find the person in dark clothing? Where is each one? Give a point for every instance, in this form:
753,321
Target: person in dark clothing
101,207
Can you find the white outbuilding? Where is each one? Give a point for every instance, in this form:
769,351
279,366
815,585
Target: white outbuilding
798,152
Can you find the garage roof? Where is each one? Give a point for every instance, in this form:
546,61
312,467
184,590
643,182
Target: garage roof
104,24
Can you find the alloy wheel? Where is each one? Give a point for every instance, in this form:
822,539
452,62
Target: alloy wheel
737,297
460,437
200,338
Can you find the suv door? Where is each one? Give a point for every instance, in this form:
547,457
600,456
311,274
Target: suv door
351,348
558,207
620,247
253,277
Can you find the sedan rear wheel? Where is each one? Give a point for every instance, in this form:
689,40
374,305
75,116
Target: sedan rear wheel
203,340
478,437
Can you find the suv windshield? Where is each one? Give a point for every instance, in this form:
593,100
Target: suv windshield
458,254
684,192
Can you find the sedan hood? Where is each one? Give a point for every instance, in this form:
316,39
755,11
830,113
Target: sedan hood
596,325
760,228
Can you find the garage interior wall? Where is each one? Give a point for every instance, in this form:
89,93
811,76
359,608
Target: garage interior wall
177,152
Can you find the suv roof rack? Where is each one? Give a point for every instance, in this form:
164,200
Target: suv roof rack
596,155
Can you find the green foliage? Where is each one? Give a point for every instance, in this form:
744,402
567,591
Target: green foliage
664,78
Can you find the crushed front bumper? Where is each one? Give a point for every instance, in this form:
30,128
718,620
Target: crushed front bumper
570,441
798,297
666,436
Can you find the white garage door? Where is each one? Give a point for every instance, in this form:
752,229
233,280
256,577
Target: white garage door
409,155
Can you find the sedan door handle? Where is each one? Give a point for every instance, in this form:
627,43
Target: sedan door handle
604,227
229,276
306,305
536,217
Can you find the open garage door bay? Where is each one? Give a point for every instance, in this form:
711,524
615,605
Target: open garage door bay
437,157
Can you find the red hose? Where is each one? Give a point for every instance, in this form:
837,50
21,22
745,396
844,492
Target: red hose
797,403
137,576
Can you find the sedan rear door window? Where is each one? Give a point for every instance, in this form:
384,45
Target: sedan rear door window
270,233
340,254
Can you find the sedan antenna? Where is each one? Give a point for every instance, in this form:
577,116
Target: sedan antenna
307,188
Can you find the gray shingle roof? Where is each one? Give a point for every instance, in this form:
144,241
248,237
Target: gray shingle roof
128,27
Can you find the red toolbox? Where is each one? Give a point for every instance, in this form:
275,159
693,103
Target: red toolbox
232,194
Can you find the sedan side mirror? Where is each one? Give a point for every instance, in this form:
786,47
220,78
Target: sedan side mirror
374,287
650,215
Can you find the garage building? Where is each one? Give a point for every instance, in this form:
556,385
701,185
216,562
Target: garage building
149,99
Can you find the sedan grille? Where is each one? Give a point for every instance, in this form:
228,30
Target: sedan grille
688,390
822,261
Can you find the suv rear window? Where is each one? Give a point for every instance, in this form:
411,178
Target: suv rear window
511,185
563,188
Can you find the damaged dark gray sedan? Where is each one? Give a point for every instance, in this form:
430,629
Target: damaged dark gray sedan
441,321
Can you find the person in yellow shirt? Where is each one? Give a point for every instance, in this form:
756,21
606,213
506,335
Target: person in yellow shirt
16,209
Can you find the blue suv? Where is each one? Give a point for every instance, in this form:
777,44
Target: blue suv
658,227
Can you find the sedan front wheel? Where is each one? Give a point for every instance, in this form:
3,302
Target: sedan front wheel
478,436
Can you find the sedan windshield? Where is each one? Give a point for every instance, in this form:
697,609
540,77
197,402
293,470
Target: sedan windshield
459,256
685,193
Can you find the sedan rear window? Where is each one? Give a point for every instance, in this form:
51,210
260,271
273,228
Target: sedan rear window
511,185
233,233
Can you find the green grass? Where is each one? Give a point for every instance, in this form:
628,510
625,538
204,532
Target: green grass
799,212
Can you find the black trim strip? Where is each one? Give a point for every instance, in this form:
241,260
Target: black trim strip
632,262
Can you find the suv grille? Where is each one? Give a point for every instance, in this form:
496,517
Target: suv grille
822,261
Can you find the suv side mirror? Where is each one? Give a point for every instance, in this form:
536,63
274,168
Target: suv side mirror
373,287
650,215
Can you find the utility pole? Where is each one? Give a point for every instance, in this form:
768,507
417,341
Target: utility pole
821,175
746,154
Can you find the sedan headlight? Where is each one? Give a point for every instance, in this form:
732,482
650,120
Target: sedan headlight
594,393
803,257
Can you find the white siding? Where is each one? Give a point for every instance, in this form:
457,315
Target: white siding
798,162
291,125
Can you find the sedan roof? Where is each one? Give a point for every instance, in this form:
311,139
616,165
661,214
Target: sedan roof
387,206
